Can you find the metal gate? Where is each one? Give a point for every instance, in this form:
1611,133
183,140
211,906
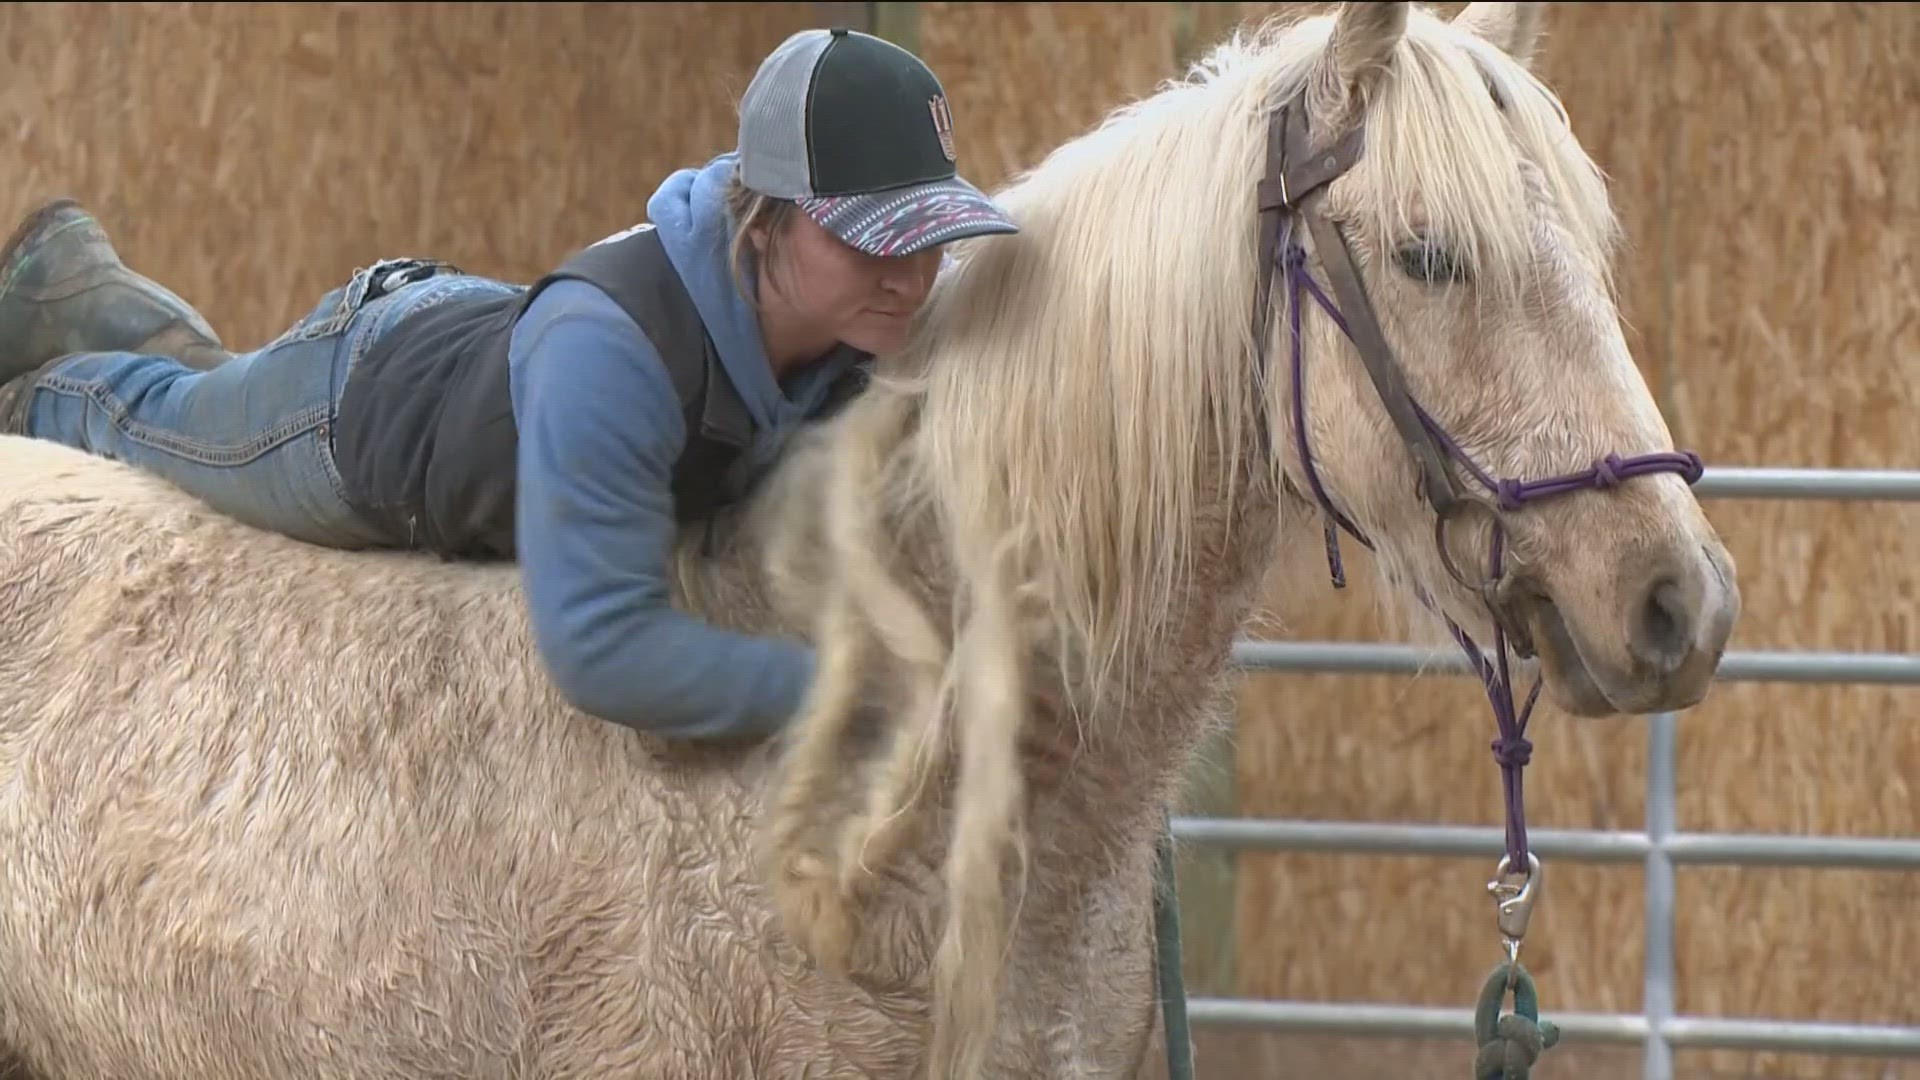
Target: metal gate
1659,848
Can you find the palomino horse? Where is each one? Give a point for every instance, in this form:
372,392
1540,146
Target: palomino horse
273,811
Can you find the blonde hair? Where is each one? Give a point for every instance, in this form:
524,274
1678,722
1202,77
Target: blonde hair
748,209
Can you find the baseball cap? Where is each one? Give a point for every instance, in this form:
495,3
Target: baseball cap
856,131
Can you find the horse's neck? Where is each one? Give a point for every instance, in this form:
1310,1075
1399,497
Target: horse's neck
1124,762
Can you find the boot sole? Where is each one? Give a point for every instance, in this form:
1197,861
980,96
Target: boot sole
34,224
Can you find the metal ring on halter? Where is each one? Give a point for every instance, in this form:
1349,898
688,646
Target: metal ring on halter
1482,584
1492,586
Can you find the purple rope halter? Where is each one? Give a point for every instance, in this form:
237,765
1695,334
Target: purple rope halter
1512,750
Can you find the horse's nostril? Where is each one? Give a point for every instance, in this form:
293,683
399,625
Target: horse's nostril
1663,630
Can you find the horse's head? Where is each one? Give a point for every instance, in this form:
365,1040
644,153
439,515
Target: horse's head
1480,233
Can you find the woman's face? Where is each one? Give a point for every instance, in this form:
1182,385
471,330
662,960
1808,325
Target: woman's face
836,293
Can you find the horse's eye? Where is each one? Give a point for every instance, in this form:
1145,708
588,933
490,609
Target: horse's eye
1427,261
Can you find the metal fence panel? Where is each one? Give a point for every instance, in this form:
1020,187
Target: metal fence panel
1659,849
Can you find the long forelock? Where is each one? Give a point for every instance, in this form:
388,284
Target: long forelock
1478,148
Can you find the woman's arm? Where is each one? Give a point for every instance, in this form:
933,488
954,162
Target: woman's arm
600,430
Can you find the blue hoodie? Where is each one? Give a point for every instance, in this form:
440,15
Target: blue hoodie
600,431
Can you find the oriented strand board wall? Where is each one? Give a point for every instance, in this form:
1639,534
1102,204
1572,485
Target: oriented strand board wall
1024,78
252,155
1797,342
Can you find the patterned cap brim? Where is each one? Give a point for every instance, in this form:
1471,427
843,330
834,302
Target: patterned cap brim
901,222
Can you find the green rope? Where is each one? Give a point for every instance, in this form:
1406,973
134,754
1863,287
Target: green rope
1166,930
1510,1044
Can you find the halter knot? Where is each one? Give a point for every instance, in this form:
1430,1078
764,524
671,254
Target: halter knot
1606,472
1695,468
1513,753
1509,493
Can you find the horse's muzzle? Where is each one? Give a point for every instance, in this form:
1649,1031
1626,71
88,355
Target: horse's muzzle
1657,650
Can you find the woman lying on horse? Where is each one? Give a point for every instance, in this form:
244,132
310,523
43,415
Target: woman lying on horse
576,425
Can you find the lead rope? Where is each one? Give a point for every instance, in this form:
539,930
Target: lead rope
1168,961
1508,1046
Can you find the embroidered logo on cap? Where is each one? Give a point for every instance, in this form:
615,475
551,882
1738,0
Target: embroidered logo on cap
942,123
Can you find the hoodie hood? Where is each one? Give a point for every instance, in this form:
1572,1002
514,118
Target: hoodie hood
690,212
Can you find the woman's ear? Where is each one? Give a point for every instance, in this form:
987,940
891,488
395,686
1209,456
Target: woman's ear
770,251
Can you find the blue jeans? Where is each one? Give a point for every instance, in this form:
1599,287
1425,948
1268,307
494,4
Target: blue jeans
253,438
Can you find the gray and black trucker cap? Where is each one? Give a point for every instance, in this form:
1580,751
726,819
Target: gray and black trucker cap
856,130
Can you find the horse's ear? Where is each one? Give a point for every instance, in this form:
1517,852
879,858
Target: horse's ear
1359,55
1514,29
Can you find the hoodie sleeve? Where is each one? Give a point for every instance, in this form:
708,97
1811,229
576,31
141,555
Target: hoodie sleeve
600,431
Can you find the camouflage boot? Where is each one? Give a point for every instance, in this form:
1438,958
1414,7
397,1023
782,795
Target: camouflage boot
64,290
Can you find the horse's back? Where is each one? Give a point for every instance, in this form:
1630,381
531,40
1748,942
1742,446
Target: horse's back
268,809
